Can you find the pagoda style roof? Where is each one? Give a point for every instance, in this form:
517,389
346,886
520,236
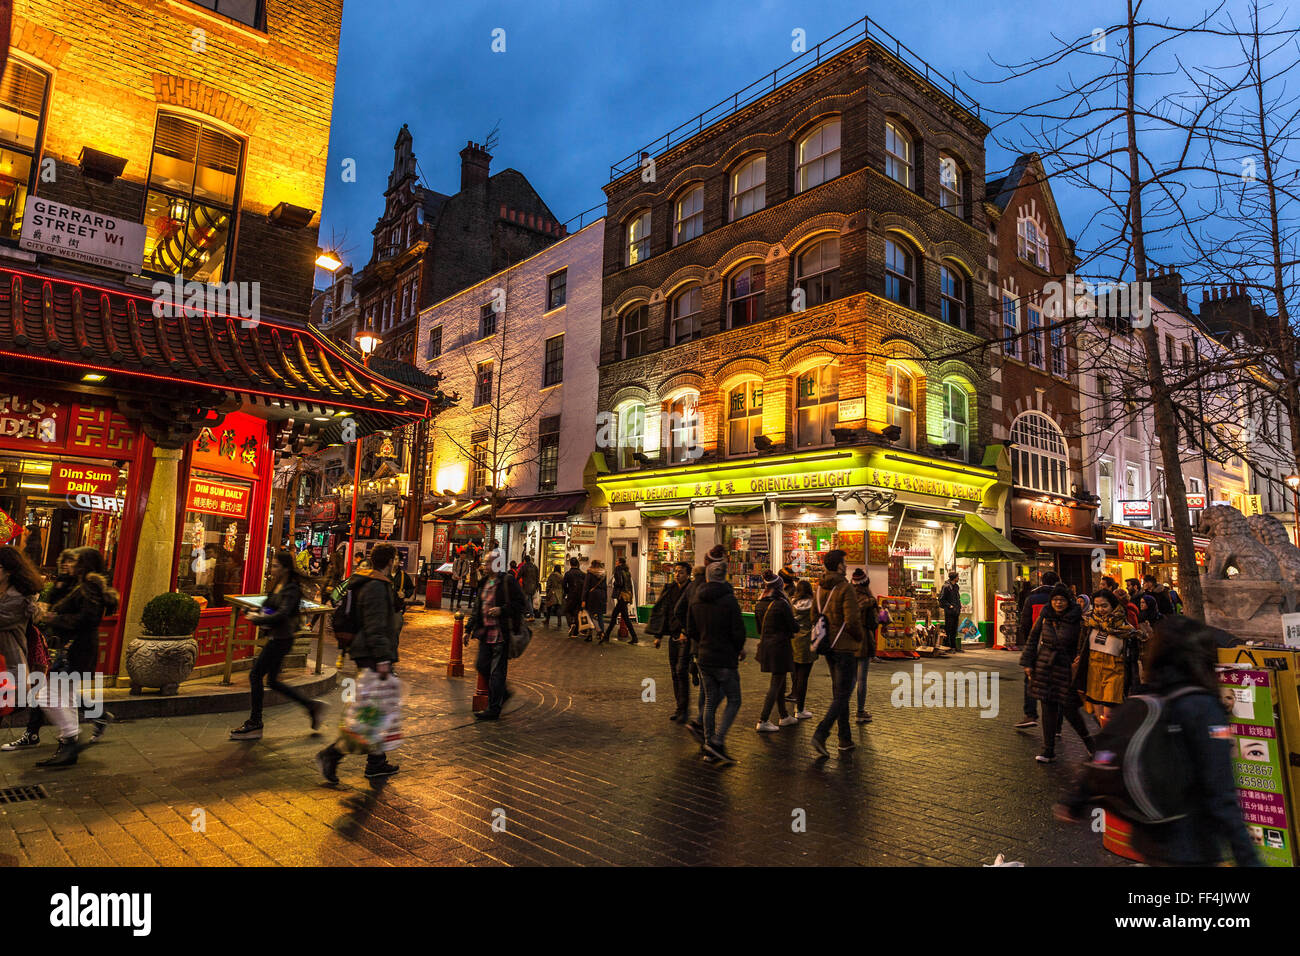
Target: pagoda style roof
55,321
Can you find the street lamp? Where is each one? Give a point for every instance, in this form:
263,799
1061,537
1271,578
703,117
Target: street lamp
328,260
367,341
1293,482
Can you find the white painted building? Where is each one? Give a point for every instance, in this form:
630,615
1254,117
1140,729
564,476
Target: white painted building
521,348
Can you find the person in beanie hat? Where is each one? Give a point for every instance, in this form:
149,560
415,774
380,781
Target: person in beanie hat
1048,661
776,627
714,621
835,598
665,623
869,607
950,603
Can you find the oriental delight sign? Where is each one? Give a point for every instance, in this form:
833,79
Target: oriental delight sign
750,484
217,498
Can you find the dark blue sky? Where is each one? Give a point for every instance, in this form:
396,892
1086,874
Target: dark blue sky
582,84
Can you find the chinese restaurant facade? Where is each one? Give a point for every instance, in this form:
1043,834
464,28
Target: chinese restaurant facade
905,519
1057,534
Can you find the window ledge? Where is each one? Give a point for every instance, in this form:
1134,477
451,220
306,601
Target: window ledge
549,312
252,33
547,388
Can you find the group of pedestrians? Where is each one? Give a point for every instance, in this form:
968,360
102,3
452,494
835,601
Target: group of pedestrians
584,598
698,615
54,629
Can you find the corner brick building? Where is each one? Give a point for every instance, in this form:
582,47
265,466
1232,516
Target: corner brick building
795,332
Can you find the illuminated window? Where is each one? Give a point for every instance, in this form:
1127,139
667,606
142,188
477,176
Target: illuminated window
744,418
819,155
689,221
22,108
749,186
900,403
956,417
950,186
745,296
631,433
682,433
817,396
638,238
190,203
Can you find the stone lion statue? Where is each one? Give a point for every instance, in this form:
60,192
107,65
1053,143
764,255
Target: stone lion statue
1271,533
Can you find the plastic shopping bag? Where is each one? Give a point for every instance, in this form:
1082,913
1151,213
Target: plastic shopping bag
372,723
584,622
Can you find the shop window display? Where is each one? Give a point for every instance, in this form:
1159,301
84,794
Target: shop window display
214,539
805,545
668,545
748,556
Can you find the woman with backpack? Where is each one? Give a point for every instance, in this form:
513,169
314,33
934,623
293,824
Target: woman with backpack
71,616
1048,660
1106,666
801,646
1208,825
279,617
776,627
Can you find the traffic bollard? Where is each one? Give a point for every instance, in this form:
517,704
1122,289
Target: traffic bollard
456,666
480,694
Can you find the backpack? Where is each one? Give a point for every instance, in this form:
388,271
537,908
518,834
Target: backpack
821,628
345,620
1141,765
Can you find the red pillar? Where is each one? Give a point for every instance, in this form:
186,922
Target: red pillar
456,666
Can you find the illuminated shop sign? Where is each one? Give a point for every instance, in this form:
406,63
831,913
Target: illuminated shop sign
743,484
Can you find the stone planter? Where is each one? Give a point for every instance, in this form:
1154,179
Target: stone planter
160,661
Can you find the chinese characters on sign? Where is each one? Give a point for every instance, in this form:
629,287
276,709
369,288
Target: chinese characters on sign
217,498
57,229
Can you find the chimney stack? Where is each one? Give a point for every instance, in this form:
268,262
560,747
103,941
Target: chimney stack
474,164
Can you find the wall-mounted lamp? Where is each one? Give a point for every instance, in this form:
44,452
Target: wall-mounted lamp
289,216
100,166
328,260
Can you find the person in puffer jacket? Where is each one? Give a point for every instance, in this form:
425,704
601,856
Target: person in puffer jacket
1048,660
836,599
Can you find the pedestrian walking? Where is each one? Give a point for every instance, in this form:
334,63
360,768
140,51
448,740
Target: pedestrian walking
374,651
835,599
1162,595
530,580
553,603
1034,601
950,603
595,597
278,617
498,613
800,645
1181,661
20,583
1048,660
776,626
403,596
574,580
665,623
714,621
623,598
694,724
1108,662
71,616
870,609
1130,609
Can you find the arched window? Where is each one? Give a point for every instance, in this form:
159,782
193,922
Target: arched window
956,416
682,431
744,418
900,273
817,272
898,154
819,155
749,186
632,332
190,203
745,295
638,237
817,396
631,433
900,404
689,219
686,308
952,295
1039,457
950,186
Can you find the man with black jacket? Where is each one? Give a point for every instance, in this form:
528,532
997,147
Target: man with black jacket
1034,602
622,600
950,603
714,620
694,724
573,582
664,622
498,612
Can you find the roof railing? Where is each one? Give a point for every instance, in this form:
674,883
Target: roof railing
863,29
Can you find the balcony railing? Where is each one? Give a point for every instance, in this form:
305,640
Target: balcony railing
863,29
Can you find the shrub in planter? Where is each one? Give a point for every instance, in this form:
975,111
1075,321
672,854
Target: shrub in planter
171,615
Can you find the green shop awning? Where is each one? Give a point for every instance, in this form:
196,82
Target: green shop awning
978,539
738,509
663,512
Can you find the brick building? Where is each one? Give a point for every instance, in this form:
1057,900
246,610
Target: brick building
429,245
1035,402
794,331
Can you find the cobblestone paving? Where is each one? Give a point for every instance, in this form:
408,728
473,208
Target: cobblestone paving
579,771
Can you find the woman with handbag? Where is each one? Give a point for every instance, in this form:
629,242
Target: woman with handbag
20,582
800,644
622,598
1106,671
776,626
75,608
1048,660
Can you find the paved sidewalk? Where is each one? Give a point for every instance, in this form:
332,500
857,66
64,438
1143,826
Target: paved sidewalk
579,771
